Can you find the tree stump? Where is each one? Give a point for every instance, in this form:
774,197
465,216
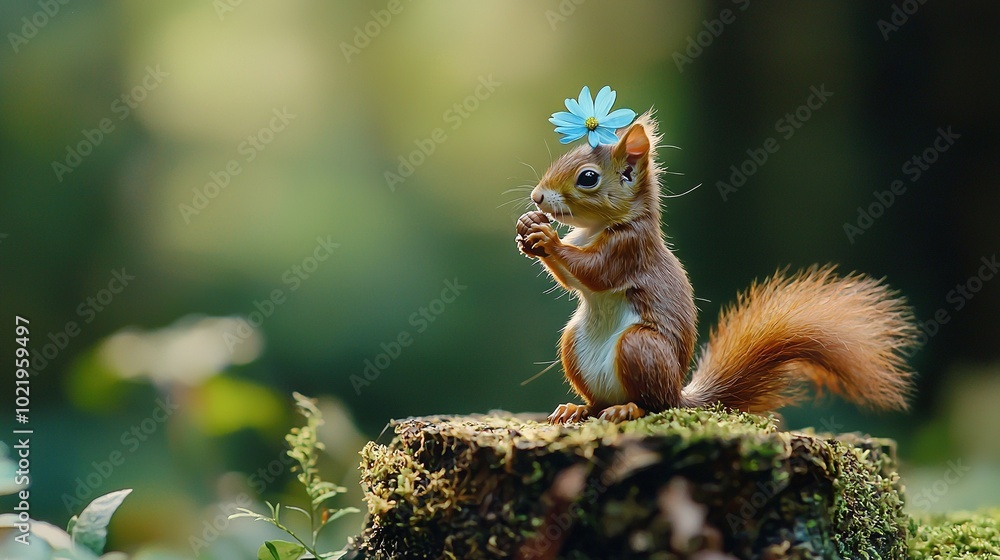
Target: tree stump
685,483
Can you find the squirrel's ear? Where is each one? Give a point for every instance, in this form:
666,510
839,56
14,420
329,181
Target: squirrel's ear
634,144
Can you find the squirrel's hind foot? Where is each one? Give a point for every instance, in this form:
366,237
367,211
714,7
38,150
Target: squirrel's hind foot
569,412
622,412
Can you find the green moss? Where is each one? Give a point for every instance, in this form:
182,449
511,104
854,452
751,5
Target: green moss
483,486
955,535
867,507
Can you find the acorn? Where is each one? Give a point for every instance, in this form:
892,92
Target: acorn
524,224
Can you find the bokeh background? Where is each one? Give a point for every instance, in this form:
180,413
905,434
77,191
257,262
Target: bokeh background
242,167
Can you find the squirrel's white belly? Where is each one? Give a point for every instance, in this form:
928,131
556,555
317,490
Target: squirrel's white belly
597,325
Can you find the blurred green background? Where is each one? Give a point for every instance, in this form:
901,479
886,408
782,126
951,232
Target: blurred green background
232,157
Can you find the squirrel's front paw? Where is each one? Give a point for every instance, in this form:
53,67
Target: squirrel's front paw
544,237
526,249
524,224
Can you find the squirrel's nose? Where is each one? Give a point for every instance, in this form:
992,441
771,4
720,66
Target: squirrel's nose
537,197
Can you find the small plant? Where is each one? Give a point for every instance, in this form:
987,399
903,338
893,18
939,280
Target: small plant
83,539
304,448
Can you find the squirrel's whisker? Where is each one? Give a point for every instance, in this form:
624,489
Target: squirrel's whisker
529,166
689,191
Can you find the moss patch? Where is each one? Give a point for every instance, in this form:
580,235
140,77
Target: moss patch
956,535
502,485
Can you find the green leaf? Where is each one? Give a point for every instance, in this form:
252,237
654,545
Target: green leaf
337,514
280,550
324,497
91,527
274,509
329,486
247,513
300,510
71,524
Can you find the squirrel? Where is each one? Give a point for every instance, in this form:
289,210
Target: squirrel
627,348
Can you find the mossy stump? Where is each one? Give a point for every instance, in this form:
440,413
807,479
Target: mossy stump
684,483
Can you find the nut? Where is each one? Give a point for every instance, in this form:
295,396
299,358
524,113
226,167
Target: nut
524,224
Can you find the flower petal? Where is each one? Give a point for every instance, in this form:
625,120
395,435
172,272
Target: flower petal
605,99
593,138
618,118
563,118
578,130
570,138
575,109
606,135
586,102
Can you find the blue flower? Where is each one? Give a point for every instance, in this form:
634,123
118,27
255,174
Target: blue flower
591,118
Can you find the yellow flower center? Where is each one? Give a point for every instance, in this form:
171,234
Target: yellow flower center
590,123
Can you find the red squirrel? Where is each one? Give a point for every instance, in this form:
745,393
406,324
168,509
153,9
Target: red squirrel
627,348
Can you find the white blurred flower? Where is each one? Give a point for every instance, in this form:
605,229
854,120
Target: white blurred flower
189,351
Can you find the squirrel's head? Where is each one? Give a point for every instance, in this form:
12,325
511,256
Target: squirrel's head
607,185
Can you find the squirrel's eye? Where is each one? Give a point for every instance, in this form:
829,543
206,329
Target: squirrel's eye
588,179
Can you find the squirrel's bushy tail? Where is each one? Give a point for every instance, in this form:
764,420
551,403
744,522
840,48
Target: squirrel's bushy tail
846,333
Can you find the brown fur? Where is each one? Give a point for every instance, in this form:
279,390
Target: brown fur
647,367
571,369
846,334
842,333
